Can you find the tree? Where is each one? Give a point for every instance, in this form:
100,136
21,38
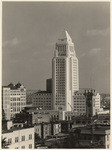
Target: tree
39,140
4,143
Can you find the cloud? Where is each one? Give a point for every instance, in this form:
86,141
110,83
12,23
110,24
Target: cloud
11,43
95,32
94,51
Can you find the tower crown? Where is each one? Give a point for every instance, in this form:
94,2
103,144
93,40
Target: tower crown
64,38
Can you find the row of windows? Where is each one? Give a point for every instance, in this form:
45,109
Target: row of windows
60,60
38,101
18,94
80,101
60,71
60,67
23,147
58,80
41,98
59,90
60,86
43,94
18,104
42,104
61,75
79,109
60,54
17,139
15,109
79,94
79,104
63,47
18,99
61,98
60,64
60,95
79,97
60,104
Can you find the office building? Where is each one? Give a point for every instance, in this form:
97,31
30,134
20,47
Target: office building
86,102
64,73
42,100
13,99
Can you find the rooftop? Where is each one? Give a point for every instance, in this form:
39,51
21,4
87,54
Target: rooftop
13,87
96,130
16,128
42,92
82,90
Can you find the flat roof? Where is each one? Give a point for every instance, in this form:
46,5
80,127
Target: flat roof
16,129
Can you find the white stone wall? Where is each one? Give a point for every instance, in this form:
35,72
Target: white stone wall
19,133
64,73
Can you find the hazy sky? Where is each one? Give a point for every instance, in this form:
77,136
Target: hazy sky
31,29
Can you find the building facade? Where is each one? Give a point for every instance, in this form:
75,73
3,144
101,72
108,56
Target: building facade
43,100
55,128
13,99
95,138
39,116
20,138
64,73
86,102
79,103
37,129
49,85
45,130
29,96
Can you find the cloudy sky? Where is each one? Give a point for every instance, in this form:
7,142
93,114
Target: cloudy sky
30,31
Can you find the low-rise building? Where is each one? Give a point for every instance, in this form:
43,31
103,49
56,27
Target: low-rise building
97,137
6,124
55,128
66,126
103,119
39,116
23,117
37,130
20,138
45,130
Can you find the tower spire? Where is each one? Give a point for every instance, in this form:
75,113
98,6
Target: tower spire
64,38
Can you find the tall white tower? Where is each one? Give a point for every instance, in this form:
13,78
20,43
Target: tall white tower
64,73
